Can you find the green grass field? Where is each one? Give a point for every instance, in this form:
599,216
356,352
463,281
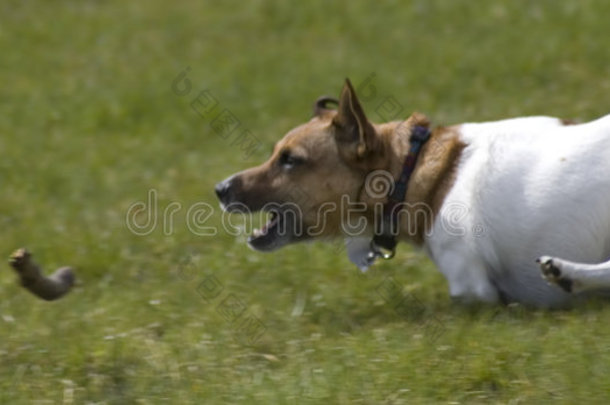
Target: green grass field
90,122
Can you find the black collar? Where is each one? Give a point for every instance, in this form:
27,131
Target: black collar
386,230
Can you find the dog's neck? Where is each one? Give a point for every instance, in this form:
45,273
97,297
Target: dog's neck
432,178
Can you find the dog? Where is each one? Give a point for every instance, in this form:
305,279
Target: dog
485,201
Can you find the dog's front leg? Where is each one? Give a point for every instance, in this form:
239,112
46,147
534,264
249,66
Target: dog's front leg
467,277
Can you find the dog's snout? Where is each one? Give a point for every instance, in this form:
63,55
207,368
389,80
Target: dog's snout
234,197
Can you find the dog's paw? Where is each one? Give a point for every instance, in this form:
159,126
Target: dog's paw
553,273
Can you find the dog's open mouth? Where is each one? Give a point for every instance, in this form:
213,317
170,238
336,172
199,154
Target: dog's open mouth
277,232
269,235
266,234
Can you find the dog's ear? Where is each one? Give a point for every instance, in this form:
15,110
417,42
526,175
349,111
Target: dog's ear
320,107
353,132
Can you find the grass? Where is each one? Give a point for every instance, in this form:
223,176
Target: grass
89,124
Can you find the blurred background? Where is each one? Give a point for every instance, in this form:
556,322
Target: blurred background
101,102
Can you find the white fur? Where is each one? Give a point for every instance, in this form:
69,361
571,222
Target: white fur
582,276
524,188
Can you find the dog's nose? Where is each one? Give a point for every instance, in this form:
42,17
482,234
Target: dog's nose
226,189
222,189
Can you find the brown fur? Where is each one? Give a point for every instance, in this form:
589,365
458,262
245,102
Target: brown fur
566,121
433,176
338,149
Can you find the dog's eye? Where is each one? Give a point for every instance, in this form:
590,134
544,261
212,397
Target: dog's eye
288,160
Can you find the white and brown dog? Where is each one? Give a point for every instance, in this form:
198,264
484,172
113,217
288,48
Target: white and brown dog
485,200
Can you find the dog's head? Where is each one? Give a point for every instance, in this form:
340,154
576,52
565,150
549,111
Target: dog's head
312,173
